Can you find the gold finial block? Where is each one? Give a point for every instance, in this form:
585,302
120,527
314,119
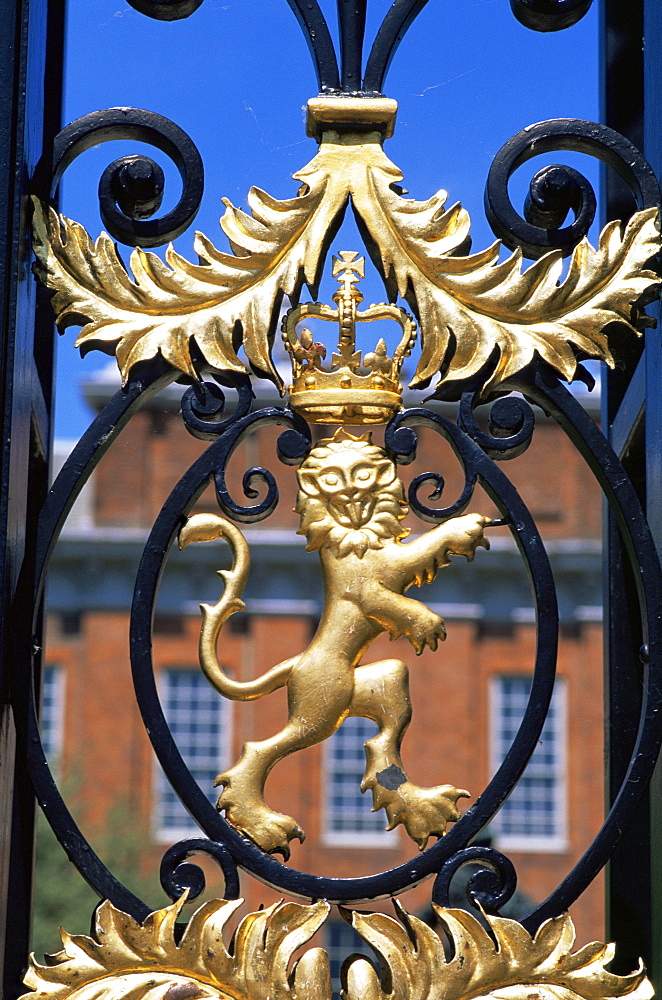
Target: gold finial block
356,114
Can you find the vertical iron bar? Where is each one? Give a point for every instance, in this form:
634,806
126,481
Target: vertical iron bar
632,94
652,148
351,23
31,52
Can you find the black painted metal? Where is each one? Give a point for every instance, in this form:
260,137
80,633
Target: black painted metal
394,27
549,15
203,405
177,875
165,10
130,189
31,49
73,476
489,888
351,23
557,190
631,37
313,24
639,549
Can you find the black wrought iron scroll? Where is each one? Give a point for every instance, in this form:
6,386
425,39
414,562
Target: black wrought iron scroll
131,188
557,190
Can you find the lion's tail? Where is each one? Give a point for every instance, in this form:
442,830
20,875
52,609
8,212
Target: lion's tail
205,528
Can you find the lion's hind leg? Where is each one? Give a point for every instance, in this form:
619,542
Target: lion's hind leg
381,693
318,701
242,798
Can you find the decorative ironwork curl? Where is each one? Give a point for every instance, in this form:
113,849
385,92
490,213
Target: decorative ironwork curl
553,192
72,478
135,184
292,448
433,514
393,29
293,444
543,389
557,189
203,404
401,442
489,888
177,874
511,425
549,15
399,437
131,187
165,10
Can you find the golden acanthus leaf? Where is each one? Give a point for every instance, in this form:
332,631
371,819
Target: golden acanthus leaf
470,305
229,297
513,966
132,961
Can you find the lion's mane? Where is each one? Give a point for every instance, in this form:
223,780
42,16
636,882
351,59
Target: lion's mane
320,527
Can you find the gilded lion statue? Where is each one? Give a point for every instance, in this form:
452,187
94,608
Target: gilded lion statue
351,504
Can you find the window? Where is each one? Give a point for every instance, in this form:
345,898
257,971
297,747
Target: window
534,817
348,809
341,942
199,721
70,622
52,712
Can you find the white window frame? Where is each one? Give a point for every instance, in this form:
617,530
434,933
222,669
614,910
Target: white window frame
55,718
162,831
553,842
378,837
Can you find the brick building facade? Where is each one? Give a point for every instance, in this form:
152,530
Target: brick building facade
467,697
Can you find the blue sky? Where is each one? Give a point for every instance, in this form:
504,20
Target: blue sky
237,74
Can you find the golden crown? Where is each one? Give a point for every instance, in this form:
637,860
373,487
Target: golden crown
356,389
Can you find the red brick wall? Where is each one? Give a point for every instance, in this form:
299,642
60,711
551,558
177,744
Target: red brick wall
137,474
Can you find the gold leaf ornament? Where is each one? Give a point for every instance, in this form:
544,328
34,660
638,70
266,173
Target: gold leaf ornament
145,962
511,965
229,299
469,307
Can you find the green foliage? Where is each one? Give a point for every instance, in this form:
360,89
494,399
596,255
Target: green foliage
63,898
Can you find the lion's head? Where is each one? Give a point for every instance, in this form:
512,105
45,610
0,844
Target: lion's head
350,498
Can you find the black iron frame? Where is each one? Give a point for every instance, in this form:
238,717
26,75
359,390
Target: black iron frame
130,196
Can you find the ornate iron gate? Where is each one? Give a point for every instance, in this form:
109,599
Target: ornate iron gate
497,338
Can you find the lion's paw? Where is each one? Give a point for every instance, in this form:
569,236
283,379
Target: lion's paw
424,812
468,533
427,630
272,831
